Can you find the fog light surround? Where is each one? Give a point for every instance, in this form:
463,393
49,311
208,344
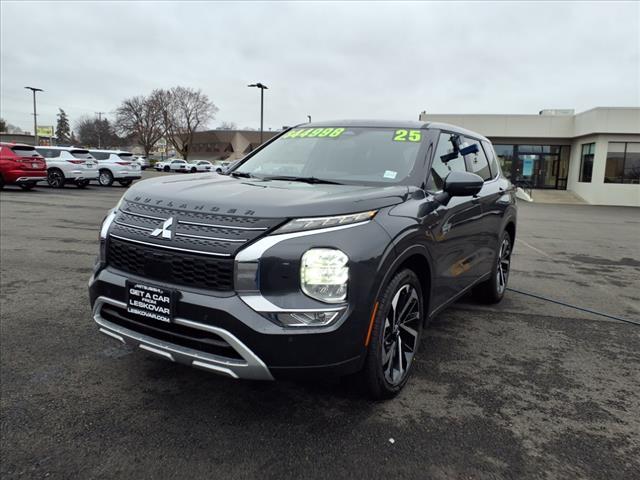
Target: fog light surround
324,274
307,319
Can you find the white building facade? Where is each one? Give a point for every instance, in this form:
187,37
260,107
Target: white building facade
595,154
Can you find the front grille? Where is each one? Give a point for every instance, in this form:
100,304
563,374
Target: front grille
206,233
171,266
171,332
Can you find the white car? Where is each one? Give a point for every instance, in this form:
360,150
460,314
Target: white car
69,165
175,165
116,165
200,166
142,161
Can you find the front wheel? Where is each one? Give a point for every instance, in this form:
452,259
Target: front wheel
166,169
55,178
395,336
492,290
125,183
193,170
105,178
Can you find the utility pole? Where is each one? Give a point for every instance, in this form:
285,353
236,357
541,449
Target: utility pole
99,127
35,114
262,88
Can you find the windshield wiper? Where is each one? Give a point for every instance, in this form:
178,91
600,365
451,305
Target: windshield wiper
303,179
240,174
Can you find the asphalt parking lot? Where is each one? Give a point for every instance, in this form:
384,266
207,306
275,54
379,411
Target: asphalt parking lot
525,389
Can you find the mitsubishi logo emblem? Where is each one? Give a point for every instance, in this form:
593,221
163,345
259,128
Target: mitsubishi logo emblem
166,233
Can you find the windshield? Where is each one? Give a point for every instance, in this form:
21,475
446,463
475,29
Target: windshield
341,154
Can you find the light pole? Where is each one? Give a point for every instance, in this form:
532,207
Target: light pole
99,128
262,89
35,115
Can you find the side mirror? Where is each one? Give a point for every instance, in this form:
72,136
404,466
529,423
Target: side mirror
462,184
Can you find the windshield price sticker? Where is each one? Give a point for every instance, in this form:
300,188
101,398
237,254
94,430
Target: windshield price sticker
407,136
315,133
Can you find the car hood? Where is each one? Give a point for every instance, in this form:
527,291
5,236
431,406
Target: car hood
224,194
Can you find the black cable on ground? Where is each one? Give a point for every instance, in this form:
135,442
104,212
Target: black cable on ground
582,309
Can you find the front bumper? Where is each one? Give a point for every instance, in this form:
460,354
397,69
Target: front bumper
256,348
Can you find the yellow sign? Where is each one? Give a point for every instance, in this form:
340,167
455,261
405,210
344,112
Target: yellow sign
46,131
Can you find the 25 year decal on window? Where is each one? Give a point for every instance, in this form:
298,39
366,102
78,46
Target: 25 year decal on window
407,135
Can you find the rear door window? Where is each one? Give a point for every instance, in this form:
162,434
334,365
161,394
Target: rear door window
100,155
493,161
48,152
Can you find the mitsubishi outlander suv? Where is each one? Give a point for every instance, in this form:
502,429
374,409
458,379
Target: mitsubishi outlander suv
325,252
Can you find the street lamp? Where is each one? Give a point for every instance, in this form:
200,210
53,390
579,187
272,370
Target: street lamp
262,89
35,117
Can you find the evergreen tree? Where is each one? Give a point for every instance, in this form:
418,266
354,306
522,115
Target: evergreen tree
63,132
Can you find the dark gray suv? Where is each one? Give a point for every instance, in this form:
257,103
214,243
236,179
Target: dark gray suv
326,251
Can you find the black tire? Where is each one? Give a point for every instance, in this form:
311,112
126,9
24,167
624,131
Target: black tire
105,178
27,186
166,168
391,331
55,178
125,183
1,182
194,169
492,290
82,183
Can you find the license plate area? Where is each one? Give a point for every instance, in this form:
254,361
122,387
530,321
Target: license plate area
149,301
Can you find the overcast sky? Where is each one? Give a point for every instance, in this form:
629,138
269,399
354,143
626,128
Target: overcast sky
328,60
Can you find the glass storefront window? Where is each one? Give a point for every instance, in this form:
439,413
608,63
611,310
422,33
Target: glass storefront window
586,161
505,157
623,163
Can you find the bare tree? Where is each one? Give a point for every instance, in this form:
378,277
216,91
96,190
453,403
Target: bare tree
185,111
228,126
142,118
94,132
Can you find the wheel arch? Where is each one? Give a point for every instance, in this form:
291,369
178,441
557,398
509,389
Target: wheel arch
417,259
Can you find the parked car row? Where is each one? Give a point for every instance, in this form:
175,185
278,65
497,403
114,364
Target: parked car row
26,165
179,165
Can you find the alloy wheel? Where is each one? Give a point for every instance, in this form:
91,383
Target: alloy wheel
400,337
105,178
55,179
504,263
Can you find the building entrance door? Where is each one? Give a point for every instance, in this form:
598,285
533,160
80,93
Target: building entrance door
538,170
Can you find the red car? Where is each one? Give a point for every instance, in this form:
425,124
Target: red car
21,165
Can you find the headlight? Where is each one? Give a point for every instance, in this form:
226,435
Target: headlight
299,224
324,274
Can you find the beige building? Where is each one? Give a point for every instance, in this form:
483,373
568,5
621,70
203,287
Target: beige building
595,154
226,144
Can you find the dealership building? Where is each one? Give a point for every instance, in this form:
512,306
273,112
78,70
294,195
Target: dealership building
594,154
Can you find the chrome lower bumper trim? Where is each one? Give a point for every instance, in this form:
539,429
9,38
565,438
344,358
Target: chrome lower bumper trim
30,179
250,367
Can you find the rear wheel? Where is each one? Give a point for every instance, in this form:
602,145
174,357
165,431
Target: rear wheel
82,183
492,290
395,336
125,183
27,186
105,178
55,178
